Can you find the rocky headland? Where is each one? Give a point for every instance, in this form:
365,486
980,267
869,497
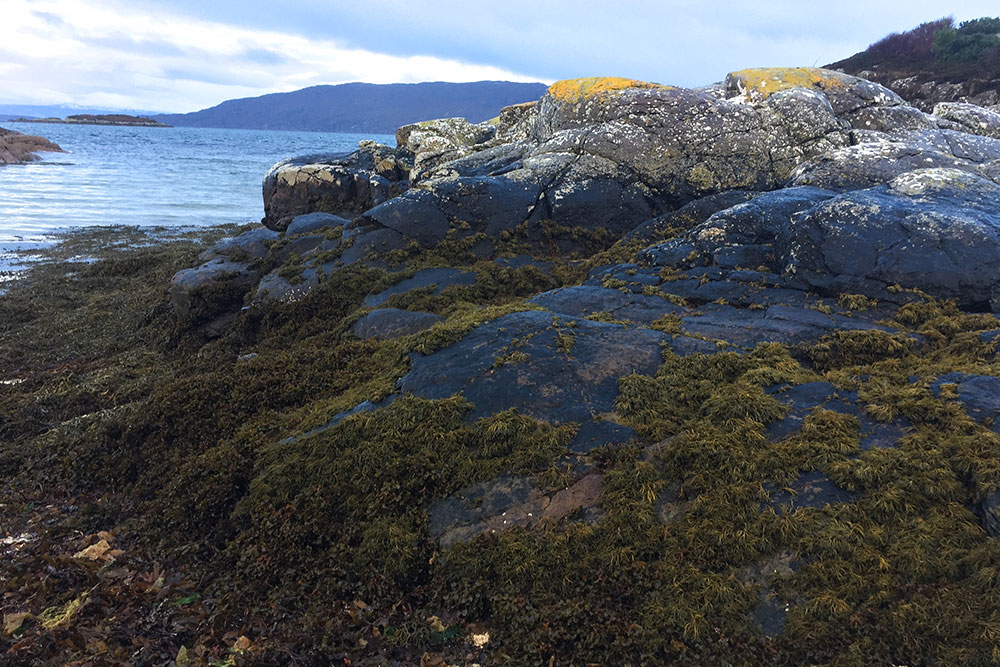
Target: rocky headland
633,374
18,148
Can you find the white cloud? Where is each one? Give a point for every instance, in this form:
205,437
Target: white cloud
109,54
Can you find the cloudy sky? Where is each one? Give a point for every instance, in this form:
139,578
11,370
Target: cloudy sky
184,55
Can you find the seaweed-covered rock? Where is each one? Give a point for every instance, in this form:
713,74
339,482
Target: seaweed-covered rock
211,290
393,323
436,280
340,184
248,246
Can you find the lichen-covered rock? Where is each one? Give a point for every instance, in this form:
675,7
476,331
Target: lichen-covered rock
846,93
339,184
878,158
970,118
434,142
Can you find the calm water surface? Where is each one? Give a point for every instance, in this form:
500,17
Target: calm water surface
146,176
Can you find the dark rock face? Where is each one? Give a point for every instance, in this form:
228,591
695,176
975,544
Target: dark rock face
935,230
558,369
17,148
340,184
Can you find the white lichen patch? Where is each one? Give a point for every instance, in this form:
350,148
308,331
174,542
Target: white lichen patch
927,181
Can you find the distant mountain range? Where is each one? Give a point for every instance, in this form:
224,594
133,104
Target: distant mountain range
361,107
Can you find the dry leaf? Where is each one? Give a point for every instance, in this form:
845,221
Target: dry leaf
106,536
13,622
241,644
94,551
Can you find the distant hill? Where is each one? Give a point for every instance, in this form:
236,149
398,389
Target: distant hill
938,61
361,107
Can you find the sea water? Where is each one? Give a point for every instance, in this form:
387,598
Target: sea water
145,176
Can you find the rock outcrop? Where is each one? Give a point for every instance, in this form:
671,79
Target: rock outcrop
800,208
18,148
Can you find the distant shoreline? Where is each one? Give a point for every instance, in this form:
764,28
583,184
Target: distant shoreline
88,119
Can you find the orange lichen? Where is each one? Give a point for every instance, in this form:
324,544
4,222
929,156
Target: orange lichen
765,81
577,90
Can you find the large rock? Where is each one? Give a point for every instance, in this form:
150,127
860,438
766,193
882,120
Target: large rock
936,230
970,118
339,184
878,158
18,148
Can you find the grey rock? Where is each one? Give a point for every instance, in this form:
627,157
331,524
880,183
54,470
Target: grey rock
970,118
393,323
313,222
245,247
516,362
201,293
587,300
935,229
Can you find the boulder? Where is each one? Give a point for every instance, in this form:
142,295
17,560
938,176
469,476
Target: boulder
315,222
935,230
970,118
246,247
343,184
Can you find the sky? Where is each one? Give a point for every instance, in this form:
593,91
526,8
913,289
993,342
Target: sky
185,55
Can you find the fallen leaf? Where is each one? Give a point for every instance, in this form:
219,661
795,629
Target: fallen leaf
106,536
94,551
182,659
13,622
241,644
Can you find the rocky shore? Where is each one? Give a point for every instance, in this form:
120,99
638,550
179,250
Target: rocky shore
18,148
633,374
